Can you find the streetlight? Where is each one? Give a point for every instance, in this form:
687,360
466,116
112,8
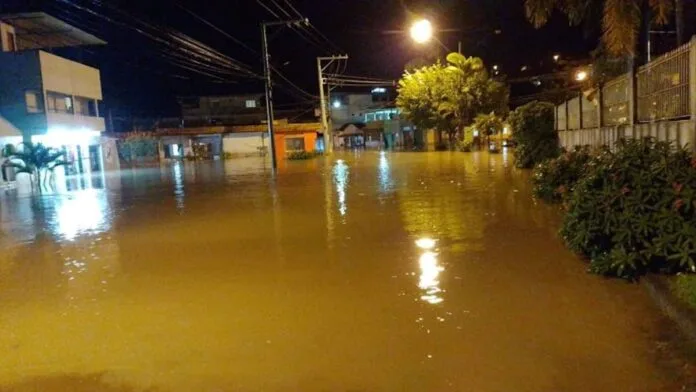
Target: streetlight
422,31
556,57
581,75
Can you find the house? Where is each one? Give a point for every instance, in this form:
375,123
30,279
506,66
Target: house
233,141
48,98
222,110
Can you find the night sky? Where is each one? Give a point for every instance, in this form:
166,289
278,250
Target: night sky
138,80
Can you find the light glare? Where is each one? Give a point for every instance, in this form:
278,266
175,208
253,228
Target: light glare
422,31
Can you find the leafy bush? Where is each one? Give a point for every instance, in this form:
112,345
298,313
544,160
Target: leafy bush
555,179
634,210
302,155
684,287
533,128
137,146
227,155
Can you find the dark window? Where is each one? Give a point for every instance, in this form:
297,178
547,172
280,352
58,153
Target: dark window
294,144
33,101
59,103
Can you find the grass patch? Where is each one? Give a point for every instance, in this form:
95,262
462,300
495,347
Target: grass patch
684,287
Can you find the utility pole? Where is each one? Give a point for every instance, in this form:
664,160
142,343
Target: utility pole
328,135
268,81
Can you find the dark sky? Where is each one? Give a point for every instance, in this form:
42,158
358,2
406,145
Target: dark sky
139,80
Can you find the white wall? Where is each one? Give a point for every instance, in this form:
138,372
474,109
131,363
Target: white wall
69,77
681,133
67,121
244,144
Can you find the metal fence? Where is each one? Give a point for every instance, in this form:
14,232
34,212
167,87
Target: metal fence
663,87
574,113
662,92
615,101
561,117
588,108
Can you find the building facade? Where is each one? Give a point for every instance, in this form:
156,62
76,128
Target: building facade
48,98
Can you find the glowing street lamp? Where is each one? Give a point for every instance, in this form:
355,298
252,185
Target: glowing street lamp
422,31
556,57
581,76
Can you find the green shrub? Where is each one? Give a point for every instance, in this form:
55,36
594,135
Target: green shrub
302,155
555,179
684,287
227,155
533,128
633,211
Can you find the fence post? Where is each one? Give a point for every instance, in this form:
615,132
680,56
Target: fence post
632,93
600,105
692,77
565,107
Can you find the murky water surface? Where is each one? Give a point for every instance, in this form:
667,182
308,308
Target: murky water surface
361,272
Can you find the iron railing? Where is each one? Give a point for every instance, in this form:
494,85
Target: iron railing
615,102
663,87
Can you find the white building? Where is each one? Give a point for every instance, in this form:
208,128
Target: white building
48,98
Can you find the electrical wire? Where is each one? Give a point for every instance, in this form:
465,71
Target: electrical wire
219,30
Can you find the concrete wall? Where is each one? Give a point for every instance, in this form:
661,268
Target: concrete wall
6,45
682,133
244,144
110,154
20,72
69,77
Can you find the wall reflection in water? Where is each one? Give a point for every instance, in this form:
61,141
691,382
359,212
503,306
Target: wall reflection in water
179,194
341,174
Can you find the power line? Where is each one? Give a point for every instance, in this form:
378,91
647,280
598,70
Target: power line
219,30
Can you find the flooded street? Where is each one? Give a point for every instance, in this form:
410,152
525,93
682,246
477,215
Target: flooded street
359,272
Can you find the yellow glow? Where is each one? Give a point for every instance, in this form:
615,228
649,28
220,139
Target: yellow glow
581,76
422,31
425,243
430,271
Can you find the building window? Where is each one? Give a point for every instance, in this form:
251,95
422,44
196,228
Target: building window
294,144
250,103
85,107
33,101
59,103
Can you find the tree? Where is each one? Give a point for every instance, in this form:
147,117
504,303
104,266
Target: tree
488,124
33,159
621,19
448,97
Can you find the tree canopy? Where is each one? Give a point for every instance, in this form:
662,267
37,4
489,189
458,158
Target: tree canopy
448,97
621,19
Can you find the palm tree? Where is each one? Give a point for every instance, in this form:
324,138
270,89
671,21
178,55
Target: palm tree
621,19
33,159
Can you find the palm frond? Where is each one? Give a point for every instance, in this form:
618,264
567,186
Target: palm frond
538,12
662,9
575,10
621,22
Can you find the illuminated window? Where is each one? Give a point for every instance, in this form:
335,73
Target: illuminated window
250,103
33,101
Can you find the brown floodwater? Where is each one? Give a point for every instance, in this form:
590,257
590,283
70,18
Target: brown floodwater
359,272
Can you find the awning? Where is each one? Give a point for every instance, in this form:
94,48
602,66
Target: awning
39,30
8,130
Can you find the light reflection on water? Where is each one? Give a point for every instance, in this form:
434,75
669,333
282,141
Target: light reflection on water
430,271
79,213
341,174
179,194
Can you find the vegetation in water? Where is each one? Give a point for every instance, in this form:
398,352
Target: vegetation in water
447,97
533,127
35,160
302,155
555,179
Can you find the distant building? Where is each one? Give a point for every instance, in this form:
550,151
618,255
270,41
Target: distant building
369,120
222,110
48,98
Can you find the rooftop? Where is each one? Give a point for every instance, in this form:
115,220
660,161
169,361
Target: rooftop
39,30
